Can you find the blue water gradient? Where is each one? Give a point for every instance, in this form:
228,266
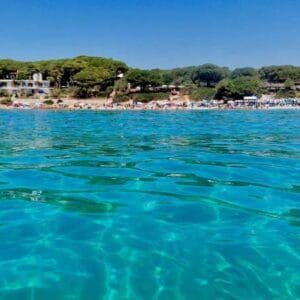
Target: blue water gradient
149,205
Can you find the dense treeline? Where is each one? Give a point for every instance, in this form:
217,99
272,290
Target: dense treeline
85,76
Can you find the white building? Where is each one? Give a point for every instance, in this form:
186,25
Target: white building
33,86
250,98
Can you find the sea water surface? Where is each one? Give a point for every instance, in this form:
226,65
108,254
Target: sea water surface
149,205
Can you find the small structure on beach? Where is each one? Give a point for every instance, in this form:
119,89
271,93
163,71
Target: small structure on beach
250,98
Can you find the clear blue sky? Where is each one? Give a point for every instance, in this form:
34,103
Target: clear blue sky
156,33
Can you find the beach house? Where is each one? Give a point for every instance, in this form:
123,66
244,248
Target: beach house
28,87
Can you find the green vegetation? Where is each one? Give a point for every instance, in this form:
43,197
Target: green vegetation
144,78
209,74
121,98
178,76
48,102
286,94
196,92
147,97
85,77
244,72
237,88
4,93
90,75
56,93
6,101
279,74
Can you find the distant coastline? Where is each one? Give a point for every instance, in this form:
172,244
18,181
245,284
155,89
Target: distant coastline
87,79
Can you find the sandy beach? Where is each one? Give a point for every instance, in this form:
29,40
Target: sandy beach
107,104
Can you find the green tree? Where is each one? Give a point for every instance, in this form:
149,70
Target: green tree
121,85
225,90
91,76
209,74
244,72
178,76
238,88
279,74
289,84
144,78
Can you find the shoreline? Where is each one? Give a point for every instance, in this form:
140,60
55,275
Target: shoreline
149,109
105,104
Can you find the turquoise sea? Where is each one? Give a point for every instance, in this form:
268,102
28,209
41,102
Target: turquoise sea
149,205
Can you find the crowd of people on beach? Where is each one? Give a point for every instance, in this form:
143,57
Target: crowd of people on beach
156,105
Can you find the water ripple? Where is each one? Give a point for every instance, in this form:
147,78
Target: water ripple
196,204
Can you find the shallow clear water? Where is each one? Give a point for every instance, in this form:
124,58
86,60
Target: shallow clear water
150,205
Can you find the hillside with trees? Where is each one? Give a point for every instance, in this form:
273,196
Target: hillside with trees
84,77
